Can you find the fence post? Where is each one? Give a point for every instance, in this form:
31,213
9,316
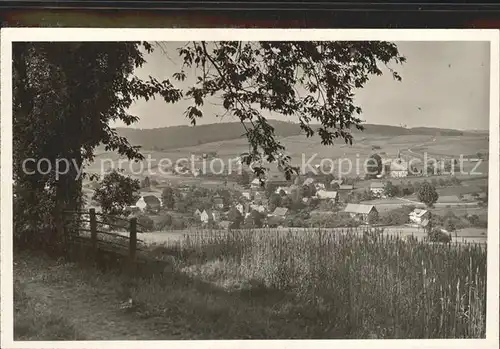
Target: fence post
133,244
93,232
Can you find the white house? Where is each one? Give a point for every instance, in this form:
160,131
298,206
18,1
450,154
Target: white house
240,208
285,189
148,202
308,181
419,216
206,215
337,181
327,195
319,186
399,167
255,184
377,188
246,194
258,208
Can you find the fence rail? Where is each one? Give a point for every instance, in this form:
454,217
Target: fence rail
96,238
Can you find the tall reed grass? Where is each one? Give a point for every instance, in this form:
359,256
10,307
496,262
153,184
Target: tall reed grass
359,285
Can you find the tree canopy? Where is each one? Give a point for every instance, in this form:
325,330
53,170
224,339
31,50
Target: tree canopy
65,94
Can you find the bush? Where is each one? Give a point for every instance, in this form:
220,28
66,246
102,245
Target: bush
145,223
439,236
164,222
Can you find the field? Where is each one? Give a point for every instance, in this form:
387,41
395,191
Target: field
411,146
263,285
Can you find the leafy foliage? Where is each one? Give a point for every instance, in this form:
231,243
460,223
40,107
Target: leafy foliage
116,192
374,166
312,81
427,194
65,94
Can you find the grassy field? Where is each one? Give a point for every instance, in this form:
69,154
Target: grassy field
260,285
442,146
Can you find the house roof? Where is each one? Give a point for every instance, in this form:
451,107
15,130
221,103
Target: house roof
399,164
424,223
280,211
151,200
326,194
337,181
359,208
377,185
346,187
308,181
419,212
256,181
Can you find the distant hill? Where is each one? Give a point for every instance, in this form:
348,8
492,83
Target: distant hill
186,136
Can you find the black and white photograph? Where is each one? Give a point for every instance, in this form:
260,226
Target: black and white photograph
165,185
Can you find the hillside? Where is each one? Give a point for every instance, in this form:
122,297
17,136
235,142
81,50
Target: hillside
187,136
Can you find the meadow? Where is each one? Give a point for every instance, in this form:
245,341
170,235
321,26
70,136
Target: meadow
297,147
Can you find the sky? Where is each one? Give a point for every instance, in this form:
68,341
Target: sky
444,84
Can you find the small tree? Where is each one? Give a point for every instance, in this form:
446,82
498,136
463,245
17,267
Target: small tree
116,192
145,223
274,201
235,217
427,194
374,166
146,183
390,189
167,197
164,222
244,178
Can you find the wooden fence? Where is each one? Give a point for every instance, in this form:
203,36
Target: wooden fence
98,231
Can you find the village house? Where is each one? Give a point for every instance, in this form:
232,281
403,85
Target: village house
338,182
319,186
308,181
208,215
398,167
327,195
243,208
240,208
197,213
258,195
149,203
258,208
247,194
419,216
377,188
346,187
286,190
279,212
361,212
218,202
255,184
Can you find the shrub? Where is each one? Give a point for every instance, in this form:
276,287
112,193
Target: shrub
144,223
437,235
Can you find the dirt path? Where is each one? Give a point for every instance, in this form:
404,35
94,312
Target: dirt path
96,313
